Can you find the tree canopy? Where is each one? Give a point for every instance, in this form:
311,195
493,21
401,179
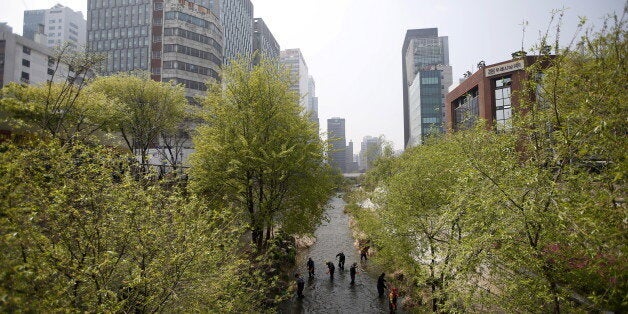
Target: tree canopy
529,219
258,153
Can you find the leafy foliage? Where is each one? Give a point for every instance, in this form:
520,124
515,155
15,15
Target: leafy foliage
259,154
146,109
531,219
80,234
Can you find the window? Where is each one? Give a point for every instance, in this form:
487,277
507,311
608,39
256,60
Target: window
25,77
26,63
26,50
51,71
503,110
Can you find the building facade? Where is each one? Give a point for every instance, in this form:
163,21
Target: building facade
293,60
370,150
25,61
236,17
427,76
264,42
176,40
312,100
351,166
338,142
487,94
58,25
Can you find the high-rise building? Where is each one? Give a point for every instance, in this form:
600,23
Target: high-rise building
176,40
351,166
58,25
370,150
236,17
338,143
293,60
427,76
312,100
264,42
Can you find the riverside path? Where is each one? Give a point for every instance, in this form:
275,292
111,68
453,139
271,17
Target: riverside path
338,296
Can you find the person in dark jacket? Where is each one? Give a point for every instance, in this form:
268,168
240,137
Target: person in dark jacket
353,271
331,270
381,284
341,260
310,267
300,285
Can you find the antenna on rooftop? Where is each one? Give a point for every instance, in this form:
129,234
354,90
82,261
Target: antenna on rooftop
523,24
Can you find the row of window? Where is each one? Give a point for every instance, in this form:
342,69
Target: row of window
127,59
187,83
192,52
126,32
429,80
190,68
108,3
192,36
180,16
136,42
120,17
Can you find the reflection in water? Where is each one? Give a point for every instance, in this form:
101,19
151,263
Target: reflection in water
338,296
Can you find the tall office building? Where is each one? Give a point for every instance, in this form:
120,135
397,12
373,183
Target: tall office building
264,42
338,142
427,76
370,150
351,166
58,25
176,40
312,100
236,17
293,60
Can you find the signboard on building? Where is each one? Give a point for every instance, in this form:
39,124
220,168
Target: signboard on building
504,68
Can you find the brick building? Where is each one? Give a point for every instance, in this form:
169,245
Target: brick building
487,94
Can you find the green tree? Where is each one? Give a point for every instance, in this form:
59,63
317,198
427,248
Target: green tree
78,233
60,108
258,153
537,209
147,110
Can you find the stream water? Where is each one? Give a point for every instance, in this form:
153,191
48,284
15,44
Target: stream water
323,295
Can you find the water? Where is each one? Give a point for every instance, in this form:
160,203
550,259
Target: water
338,296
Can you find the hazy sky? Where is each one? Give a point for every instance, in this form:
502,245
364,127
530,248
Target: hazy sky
353,47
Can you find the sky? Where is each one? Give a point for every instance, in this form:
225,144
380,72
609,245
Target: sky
353,47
